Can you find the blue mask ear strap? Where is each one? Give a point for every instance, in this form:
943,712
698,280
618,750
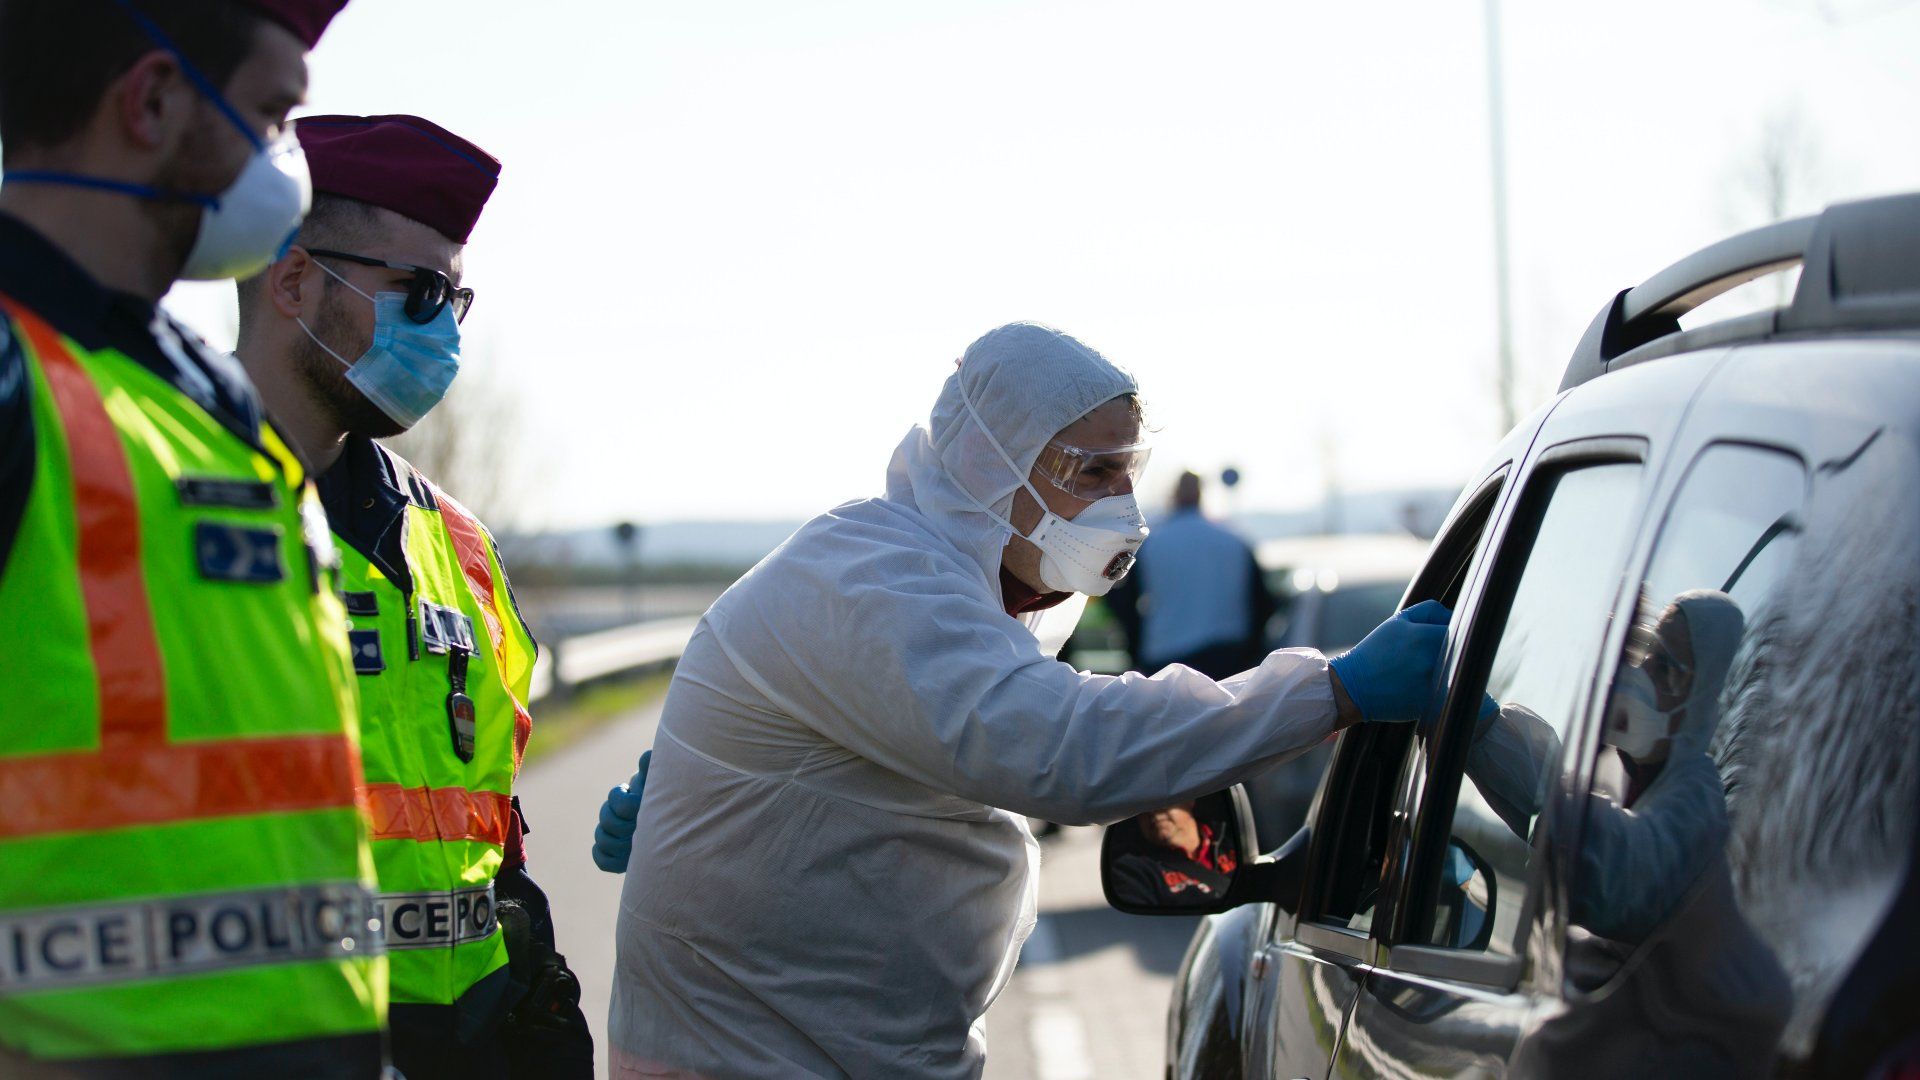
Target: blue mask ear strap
100,183
200,82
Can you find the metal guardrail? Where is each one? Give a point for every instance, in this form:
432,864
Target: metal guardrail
585,657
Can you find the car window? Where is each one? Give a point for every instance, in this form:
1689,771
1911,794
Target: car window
1553,589
1355,817
1329,615
1753,794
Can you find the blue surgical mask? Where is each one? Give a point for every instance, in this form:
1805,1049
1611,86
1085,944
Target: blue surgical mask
409,366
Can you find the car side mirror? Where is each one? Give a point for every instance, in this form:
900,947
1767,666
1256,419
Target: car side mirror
1191,859
1468,895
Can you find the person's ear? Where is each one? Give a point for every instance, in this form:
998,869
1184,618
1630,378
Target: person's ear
286,282
153,100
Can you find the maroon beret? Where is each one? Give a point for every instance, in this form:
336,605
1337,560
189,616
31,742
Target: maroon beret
404,164
307,19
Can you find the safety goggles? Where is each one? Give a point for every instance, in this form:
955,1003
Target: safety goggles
1088,473
1645,651
428,292
1669,676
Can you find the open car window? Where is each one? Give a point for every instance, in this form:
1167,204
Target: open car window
1354,824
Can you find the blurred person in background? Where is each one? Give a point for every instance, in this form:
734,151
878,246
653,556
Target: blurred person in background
187,886
1197,596
833,874
351,336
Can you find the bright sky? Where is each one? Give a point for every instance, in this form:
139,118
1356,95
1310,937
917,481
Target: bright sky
738,243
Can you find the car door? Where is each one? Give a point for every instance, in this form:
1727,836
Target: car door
1751,775
1309,966
1448,994
1466,954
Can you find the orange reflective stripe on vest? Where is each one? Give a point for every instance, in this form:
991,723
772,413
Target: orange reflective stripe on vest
86,791
136,777
426,814
133,697
471,545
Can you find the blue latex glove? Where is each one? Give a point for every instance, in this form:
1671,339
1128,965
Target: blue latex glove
1389,675
1488,708
613,837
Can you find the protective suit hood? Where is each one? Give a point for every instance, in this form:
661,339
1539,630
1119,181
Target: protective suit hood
1636,865
1715,625
1027,382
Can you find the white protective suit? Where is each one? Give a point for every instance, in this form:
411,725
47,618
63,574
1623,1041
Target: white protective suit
831,874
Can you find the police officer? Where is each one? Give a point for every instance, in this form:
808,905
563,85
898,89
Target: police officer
186,886
353,335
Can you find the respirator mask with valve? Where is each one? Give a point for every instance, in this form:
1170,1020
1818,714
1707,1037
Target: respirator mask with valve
1090,552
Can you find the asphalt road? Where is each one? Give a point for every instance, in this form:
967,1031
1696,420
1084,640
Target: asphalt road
561,796
1088,999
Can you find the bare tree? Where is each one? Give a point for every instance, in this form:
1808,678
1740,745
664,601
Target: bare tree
1783,168
1780,175
473,446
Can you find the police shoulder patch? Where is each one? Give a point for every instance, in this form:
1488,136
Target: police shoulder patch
367,658
226,551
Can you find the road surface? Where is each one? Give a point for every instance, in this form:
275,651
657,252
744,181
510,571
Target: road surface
1088,999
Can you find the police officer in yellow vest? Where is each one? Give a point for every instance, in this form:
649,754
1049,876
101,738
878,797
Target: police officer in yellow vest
353,335
186,886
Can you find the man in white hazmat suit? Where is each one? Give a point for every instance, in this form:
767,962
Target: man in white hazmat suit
833,873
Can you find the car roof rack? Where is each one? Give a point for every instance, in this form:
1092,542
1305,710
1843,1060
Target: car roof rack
1860,270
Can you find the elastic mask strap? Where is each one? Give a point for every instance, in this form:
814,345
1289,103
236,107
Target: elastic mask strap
316,338
200,82
101,183
331,272
323,345
1012,467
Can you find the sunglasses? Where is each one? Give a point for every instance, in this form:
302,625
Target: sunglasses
428,292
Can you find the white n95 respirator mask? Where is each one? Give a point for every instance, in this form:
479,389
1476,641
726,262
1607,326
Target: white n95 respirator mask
253,221
1088,553
1091,551
1636,724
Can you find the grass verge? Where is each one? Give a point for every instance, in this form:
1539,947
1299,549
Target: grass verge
560,724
